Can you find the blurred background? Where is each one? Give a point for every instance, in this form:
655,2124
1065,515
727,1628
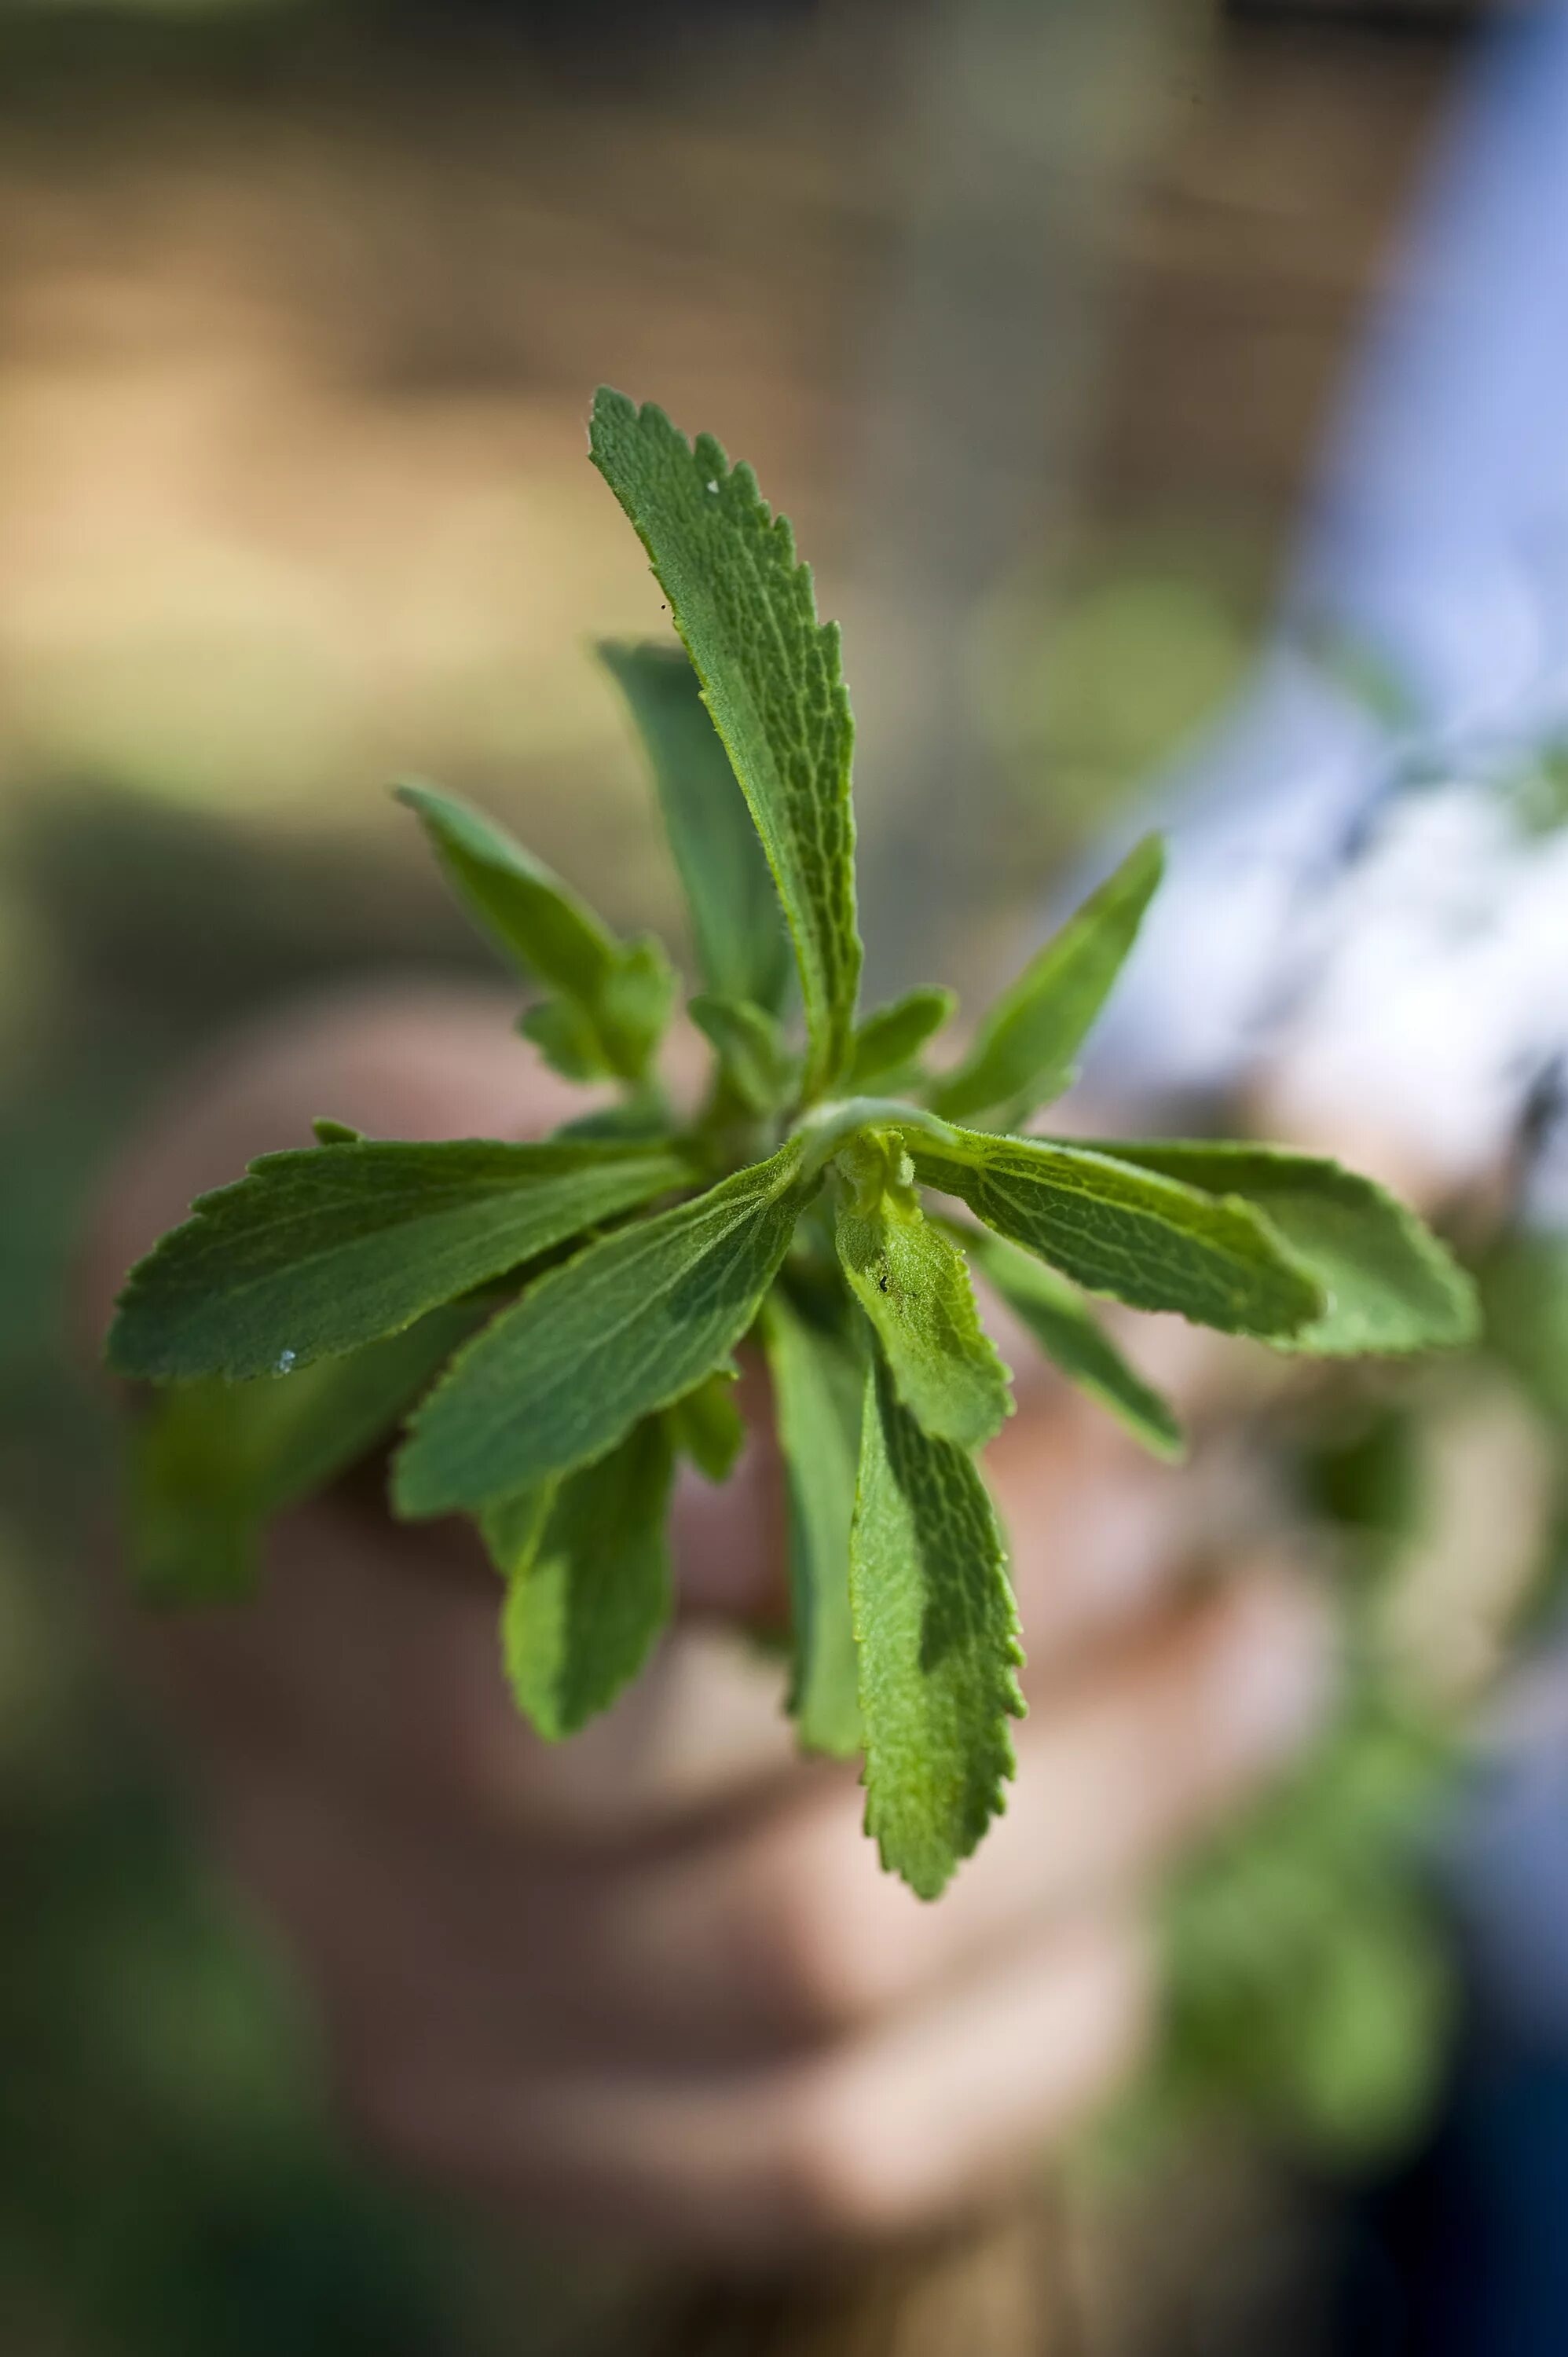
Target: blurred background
1029,313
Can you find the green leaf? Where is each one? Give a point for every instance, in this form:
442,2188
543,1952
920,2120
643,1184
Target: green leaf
639,999
888,1042
819,1383
319,1249
743,948
708,1427
207,1464
938,1634
753,1056
614,998
335,1132
593,1590
1389,1286
565,1039
1075,1342
623,1328
770,677
1525,1285
1306,1977
913,1283
512,1527
1024,1050
1133,1234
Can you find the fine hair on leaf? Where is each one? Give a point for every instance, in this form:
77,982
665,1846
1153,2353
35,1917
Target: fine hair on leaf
771,679
938,1632
625,1328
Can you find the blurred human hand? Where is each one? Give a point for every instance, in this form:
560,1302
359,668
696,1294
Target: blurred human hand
651,1983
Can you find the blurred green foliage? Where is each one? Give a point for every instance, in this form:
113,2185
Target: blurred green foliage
1089,683
169,2184
1309,1993
1310,1988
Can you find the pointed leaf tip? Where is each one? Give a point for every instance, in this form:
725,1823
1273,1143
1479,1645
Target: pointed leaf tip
938,1632
1390,1285
770,677
1139,1236
614,998
319,1249
1024,1049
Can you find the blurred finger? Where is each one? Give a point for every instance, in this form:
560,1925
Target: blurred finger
795,1931
775,1928
875,2137
372,1653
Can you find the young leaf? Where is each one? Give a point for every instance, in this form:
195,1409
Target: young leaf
623,1328
319,1249
565,1038
743,948
1074,1341
1134,1234
1024,1050
637,1001
1390,1285
512,1527
770,677
708,1427
209,1463
938,1634
913,1285
819,1383
593,1588
614,998
888,1042
751,1051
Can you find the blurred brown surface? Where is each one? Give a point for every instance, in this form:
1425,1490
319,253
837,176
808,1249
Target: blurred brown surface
1248,253
298,353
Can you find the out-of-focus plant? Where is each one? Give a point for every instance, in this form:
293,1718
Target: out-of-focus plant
1311,1987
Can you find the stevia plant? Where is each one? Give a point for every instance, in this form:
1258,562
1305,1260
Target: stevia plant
554,1324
